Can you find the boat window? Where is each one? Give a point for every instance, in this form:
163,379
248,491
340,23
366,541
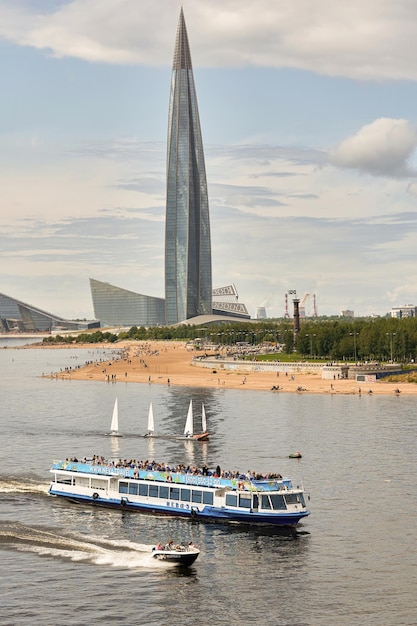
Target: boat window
143,489
196,496
266,504
122,487
185,495
291,498
245,501
278,502
207,497
81,481
174,493
133,489
98,484
153,491
163,492
231,499
64,481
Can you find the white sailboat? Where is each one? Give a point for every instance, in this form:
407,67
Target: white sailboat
203,419
189,426
151,424
114,426
204,435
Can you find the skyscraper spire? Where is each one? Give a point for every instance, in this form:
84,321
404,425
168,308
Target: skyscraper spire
182,56
188,283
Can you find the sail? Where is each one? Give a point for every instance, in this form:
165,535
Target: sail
203,419
114,428
189,426
151,425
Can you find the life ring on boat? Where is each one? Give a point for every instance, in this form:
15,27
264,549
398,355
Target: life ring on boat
95,495
240,486
123,502
284,488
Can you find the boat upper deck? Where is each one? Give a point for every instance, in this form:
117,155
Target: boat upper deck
178,475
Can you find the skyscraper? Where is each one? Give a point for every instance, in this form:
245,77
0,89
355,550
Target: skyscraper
188,283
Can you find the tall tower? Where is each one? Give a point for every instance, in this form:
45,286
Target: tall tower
188,286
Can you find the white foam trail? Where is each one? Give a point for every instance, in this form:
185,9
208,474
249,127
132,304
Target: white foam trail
122,554
16,486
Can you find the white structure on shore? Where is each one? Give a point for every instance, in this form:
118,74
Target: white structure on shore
408,310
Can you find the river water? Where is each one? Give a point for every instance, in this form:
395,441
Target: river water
354,561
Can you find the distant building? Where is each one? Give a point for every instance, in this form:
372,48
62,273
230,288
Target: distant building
188,278
261,313
115,306
408,310
17,316
225,302
347,313
187,229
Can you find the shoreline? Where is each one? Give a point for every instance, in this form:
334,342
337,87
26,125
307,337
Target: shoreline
170,363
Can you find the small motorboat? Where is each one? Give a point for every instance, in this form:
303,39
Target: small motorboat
176,554
295,455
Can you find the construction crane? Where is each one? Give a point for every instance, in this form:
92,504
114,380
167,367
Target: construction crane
303,305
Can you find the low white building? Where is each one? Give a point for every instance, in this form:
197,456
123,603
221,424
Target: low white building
408,310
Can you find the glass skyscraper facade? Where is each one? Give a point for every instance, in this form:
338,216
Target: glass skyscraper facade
188,280
116,306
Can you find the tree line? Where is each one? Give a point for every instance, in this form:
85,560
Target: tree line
361,339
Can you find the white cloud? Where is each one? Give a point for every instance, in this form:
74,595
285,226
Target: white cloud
361,40
382,148
80,199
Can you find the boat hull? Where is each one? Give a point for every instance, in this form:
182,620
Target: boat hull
176,557
207,514
196,437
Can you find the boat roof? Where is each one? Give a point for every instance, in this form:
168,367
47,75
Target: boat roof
181,478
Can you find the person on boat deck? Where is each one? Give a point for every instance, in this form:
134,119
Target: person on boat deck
159,546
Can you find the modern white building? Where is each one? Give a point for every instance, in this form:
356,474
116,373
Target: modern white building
408,310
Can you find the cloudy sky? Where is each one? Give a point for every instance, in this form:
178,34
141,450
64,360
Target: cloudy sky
309,121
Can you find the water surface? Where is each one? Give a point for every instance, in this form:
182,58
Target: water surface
354,561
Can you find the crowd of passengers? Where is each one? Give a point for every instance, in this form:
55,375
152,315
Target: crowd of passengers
153,466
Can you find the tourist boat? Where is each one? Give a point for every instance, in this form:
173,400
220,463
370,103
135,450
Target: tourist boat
210,496
189,426
176,555
295,455
114,426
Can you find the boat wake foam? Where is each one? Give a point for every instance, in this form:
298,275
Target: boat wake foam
14,485
77,548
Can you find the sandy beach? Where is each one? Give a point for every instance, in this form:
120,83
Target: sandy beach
171,363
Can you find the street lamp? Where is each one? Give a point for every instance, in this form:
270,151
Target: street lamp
354,345
391,335
311,343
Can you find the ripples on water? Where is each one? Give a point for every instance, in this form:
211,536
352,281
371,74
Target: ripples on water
69,564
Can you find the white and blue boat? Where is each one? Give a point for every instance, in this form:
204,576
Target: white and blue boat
210,496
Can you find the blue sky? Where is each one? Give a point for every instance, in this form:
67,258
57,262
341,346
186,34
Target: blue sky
308,115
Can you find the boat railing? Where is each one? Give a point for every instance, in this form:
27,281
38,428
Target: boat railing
236,483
